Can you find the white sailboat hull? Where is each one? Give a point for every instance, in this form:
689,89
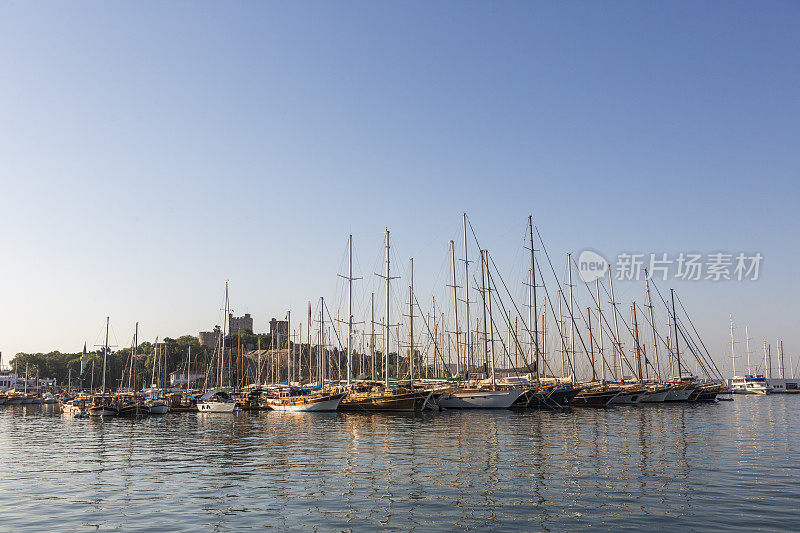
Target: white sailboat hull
678,395
478,399
626,398
655,397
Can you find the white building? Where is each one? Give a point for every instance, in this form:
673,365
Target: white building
178,378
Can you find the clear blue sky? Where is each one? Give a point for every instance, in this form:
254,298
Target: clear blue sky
149,152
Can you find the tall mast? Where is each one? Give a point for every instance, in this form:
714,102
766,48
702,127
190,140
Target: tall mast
289,348
769,357
372,332
591,342
747,344
131,379
571,354
153,382
468,354
485,325
652,326
533,315
411,326
322,341
638,347
544,336
600,328
677,344
561,335
105,356
350,310
455,308
489,309
781,366
188,368
733,356
224,332
386,333
617,344
310,325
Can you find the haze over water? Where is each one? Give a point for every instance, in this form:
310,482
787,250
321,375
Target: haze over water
732,465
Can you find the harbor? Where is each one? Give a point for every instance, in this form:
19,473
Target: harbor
689,466
404,267
429,358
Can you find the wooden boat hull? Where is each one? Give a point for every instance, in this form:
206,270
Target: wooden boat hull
413,401
594,398
103,411
304,403
133,410
708,395
182,409
479,399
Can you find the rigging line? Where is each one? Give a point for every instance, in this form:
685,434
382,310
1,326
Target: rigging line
552,308
538,267
678,324
507,315
623,358
334,329
558,282
428,329
507,318
609,330
699,338
572,318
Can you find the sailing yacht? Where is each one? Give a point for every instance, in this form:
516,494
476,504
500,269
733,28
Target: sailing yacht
374,396
479,398
288,399
104,405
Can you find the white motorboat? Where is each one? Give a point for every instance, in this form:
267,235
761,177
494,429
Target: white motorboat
479,398
750,385
76,408
215,406
215,402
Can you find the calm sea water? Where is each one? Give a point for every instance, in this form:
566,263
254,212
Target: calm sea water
732,465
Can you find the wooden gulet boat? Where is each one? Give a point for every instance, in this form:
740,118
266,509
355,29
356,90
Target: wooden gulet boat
104,405
371,396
